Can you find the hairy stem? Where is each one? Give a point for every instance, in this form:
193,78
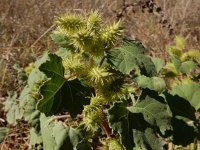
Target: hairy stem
104,124
91,60
106,128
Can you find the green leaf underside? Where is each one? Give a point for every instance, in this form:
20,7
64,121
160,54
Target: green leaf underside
56,137
158,62
42,60
63,53
128,58
188,66
28,102
154,83
134,43
35,76
11,107
147,140
35,139
190,92
28,97
176,62
61,137
47,133
154,112
61,40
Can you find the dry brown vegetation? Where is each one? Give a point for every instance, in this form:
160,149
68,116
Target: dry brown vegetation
25,26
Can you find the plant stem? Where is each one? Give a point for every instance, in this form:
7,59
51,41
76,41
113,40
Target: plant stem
91,61
105,125
106,128
102,60
69,77
170,146
66,116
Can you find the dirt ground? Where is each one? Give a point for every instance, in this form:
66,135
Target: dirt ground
25,26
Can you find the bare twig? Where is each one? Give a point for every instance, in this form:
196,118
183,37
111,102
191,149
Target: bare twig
4,75
48,30
170,146
69,77
65,116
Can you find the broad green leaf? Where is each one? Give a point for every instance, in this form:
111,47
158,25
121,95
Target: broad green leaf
83,145
54,135
21,75
61,135
170,70
58,94
118,121
63,53
35,77
41,60
48,139
78,140
179,106
3,133
30,94
27,105
34,120
11,107
134,43
154,111
187,66
75,95
190,92
50,90
35,139
153,83
61,40
147,140
137,122
129,57
69,137
183,134
176,61
74,136
158,62
57,137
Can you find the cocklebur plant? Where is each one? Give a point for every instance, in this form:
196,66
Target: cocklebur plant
183,62
113,96
179,50
87,34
